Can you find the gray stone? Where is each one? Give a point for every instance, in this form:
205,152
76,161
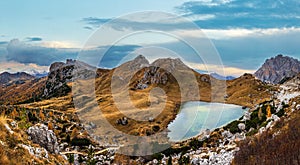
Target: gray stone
242,126
275,117
298,106
227,134
261,130
45,138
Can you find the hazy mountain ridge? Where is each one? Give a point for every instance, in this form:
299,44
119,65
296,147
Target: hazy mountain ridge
220,77
19,77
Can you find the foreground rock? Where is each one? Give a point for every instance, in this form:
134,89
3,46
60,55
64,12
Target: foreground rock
46,138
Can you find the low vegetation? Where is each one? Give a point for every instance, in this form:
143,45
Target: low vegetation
279,145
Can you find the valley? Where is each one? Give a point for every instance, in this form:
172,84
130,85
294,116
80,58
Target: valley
93,113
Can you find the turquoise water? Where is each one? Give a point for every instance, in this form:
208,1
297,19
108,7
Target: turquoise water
196,116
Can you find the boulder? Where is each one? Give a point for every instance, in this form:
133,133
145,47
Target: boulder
227,134
261,130
275,117
40,134
242,126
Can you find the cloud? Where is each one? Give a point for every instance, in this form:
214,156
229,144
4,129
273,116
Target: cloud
250,51
94,22
88,28
33,39
211,3
237,32
3,42
112,55
143,21
14,67
45,54
240,48
59,44
222,70
25,53
243,13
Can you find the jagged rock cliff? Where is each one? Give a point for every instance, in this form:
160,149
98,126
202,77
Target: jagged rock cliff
278,68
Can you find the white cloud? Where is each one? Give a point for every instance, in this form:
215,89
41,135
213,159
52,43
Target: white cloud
236,33
201,17
14,67
214,2
59,44
222,70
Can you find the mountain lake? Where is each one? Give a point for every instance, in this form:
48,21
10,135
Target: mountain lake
196,116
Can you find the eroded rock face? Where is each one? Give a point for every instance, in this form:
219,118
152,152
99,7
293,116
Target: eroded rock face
155,75
46,138
276,69
62,73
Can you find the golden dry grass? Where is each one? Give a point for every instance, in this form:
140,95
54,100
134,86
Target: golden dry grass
164,105
12,153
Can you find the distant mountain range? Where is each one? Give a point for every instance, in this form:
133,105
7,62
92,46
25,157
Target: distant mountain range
277,69
18,78
216,75
56,83
220,77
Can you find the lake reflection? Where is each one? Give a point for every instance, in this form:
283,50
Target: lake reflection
196,116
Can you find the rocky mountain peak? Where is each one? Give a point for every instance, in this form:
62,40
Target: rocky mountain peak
170,64
141,60
277,68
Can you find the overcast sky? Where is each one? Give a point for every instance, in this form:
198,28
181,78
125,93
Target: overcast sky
35,33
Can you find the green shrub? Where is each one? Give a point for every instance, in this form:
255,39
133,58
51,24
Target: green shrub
184,160
169,160
171,151
71,158
80,142
280,113
195,144
157,156
233,126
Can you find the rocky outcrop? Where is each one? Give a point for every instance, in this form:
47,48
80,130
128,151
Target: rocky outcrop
293,83
153,75
37,152
18,78
160,71
56,66
275,69
46,138
170,64
62,73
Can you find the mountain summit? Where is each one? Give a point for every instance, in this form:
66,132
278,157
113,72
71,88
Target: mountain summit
278,68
